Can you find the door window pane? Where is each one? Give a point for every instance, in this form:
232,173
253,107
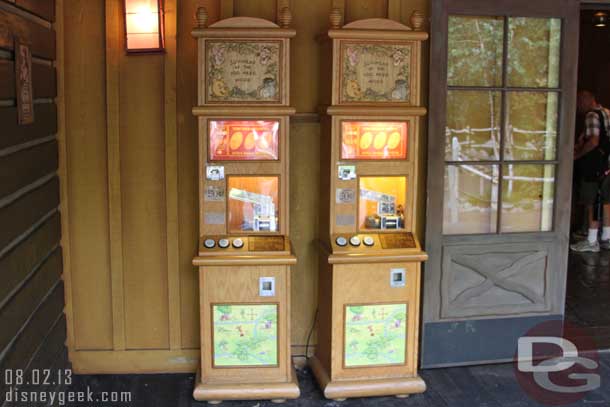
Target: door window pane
475,51
471,197
531,130
501,124
527,197
533,52
473,125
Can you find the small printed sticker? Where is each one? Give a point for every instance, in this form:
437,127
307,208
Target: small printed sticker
214,193
215,172
345,195
347,172
215,218
346,220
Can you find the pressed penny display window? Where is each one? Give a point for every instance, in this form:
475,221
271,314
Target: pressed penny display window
373,140
243,140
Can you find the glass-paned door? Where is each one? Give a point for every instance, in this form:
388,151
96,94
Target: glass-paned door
501,124
499,177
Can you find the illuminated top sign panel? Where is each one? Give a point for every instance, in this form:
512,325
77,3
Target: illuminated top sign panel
373,140
244,140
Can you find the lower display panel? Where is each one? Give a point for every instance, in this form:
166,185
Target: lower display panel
245,335
375,335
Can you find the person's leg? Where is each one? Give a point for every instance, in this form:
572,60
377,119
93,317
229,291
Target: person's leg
605,195
588,195
593,224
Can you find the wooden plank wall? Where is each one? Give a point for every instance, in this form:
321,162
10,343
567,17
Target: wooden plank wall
129,180
32,292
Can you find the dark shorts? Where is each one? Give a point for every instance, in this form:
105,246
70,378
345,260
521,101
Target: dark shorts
587,191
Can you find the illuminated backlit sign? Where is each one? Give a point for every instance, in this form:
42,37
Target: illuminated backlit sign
373,140
243,140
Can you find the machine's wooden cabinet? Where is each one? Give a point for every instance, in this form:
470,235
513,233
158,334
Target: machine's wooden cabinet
370,263
244,256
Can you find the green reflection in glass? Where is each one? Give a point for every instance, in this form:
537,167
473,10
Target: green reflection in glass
473,125
531,131
533,52
475,51
527,197
471,199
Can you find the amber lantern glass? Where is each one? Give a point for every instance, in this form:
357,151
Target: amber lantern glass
600,19
144,26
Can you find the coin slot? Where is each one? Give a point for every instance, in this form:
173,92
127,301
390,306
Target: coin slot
397,277
267,287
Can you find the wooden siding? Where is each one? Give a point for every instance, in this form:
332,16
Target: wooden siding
32,293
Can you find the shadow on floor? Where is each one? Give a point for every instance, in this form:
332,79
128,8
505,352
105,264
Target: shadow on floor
484,386
588,295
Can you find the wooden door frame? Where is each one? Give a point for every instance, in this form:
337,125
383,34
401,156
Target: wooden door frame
441,9
593,4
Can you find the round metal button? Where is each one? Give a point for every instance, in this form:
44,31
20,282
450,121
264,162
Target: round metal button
368,241
355,241
238,243
223,243
209,243
341,241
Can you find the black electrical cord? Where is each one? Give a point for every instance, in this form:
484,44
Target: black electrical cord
313,325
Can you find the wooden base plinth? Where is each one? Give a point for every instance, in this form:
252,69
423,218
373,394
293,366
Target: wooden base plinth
215,393
341,389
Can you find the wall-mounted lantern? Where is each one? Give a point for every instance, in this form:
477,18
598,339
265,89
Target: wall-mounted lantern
600,19
144,26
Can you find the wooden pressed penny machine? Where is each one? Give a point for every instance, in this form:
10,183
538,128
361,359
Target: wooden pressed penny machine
244,257
369,281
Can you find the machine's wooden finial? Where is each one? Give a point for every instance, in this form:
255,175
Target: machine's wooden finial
285,17
202,17
417,20
336,18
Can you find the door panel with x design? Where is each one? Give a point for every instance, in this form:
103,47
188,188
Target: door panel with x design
495,280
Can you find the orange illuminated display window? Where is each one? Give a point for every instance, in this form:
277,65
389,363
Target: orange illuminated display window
253,204
373,140
382,203
243,140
